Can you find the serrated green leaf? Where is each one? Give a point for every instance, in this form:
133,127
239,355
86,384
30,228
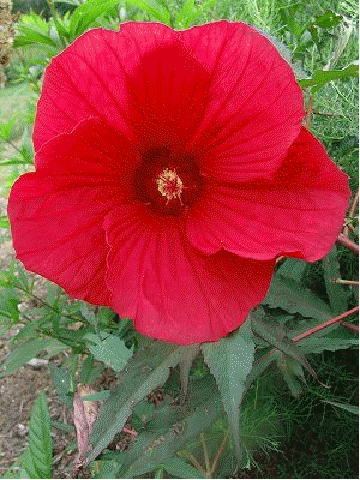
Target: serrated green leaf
345,406
86,14
292,268
185,367
230,360
28,331
287,294
23,353
149,368
109,349
180,468
40,440
28,464
158,12
333,338
270,331
338,297
154,447
291,371
322,77
260,365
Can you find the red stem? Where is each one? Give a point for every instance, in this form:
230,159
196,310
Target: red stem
324,325
346,242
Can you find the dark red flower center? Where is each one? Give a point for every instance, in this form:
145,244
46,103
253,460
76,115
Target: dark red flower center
168,183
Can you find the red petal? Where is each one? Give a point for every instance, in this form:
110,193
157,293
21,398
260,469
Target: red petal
220,91
254,108
300,213
56,224
92,151
91,78
173,292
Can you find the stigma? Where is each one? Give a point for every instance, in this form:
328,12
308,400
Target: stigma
169,184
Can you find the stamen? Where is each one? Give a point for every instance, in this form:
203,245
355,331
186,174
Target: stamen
169,184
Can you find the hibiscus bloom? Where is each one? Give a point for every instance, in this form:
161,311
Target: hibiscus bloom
171,171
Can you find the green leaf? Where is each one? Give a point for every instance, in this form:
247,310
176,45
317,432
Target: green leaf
185,367
290,296
185,12
337,296
180,468
322,77
6,129
23,353
292,268
61,378
63,426
291,371
329,19
260,365
4,222
9,302
86,14
105,469
40,449
153,447
97,397
189,13
30,35
160,13
148,369
345,406
230,360
88,313
332,338
90,372
271,332
109,349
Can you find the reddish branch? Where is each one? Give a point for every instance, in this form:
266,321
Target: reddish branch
308,112
350,326
324,325
346,242
352,212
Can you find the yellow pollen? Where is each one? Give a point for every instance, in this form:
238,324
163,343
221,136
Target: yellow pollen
169,184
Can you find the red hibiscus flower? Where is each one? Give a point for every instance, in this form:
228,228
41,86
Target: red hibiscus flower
171,171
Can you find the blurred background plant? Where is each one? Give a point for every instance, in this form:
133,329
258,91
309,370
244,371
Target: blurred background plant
292,426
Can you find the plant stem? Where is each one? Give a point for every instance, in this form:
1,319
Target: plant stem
346,242
195,462
350,326
346,282
206,456
351,212
72,317
324,325
309,111
219,453
14,146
